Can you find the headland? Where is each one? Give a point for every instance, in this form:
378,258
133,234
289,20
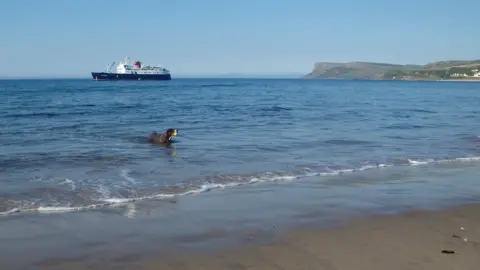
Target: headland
437,71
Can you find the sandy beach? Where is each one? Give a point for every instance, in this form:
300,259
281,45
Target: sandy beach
315,223
412,240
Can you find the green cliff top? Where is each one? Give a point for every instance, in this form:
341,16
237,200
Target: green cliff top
443,70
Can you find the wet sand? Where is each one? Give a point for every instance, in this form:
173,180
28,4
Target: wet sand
412,240
333,222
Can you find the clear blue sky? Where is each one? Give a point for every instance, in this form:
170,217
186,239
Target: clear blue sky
208,37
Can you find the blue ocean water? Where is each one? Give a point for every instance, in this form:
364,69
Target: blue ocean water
78,144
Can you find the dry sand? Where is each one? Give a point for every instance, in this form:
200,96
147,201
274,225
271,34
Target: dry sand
414,240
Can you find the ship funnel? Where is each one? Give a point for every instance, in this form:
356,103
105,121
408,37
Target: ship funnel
138,64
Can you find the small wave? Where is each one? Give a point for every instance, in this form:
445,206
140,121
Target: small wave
126,106
227,181
125,173
70,183
404,126
468,159
219,85
69,106
275,109
106,200
469,137
33,114
22,160
49,114
423,111
348,142
439,161
419,162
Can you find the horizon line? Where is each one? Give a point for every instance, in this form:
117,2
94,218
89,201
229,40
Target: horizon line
185,76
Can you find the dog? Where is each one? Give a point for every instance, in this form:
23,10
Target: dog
163,138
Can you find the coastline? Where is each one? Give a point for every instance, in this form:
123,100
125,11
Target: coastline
441,70
388,80
466,80
410,240
310,223
239,223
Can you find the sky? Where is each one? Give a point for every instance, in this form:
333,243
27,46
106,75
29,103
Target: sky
215,37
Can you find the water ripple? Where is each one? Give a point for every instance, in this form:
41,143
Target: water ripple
79,143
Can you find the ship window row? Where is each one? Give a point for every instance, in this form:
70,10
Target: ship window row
150,69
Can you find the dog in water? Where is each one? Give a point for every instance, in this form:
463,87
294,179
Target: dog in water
163,138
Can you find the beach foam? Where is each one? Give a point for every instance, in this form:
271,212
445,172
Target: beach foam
105,199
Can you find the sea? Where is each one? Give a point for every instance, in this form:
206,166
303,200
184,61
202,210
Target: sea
78,176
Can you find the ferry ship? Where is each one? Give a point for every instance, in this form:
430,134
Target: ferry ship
137,71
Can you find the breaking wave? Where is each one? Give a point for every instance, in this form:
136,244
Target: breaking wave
75,199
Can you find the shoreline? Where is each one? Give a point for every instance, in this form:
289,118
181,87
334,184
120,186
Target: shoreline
388,80
467,80
409,240
230,222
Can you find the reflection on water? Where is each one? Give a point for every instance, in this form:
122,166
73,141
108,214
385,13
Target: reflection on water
172,151
130,210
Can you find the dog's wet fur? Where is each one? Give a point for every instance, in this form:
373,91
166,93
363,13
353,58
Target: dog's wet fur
162,138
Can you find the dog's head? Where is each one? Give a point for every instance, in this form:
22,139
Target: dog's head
171,133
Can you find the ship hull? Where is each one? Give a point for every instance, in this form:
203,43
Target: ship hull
104,76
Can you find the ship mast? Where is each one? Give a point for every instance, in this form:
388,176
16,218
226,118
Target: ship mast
110,67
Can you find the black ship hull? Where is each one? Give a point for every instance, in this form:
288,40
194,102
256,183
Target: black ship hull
130,77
